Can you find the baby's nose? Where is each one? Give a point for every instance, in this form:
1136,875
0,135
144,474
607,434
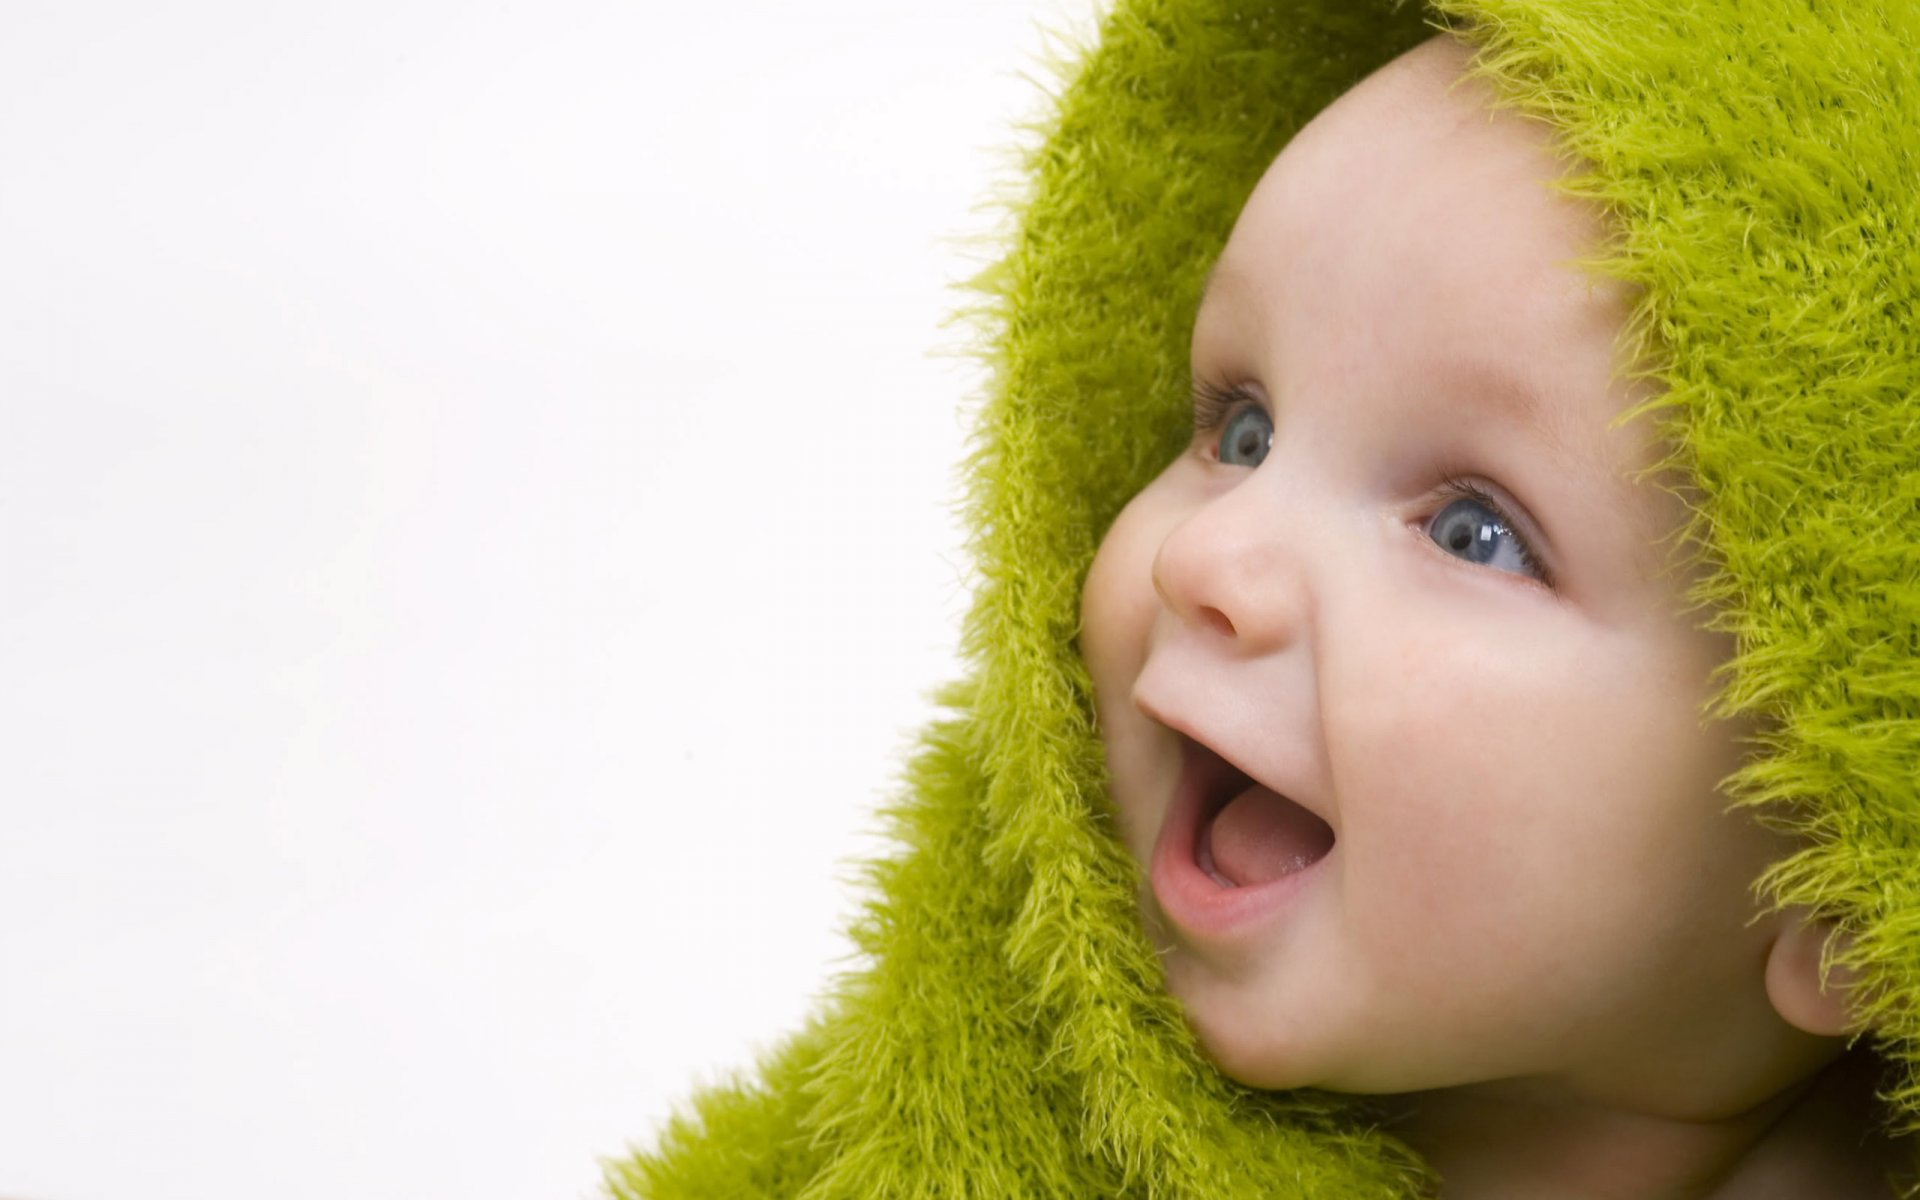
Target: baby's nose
1234,575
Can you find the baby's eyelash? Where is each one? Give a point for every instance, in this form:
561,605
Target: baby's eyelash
1212,402
1456,488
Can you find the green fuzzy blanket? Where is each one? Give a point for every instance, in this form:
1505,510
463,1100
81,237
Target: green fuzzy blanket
1008,1032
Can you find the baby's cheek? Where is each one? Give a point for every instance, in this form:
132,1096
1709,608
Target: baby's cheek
1118,606
1117,612
1467,821
1103,625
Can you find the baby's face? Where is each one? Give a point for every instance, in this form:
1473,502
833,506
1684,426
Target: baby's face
1505,788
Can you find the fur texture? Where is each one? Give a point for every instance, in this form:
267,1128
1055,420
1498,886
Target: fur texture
1007,1033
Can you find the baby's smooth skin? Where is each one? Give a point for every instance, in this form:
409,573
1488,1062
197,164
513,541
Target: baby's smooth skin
1534,936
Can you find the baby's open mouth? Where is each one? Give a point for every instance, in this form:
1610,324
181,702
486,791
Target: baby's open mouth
1249,833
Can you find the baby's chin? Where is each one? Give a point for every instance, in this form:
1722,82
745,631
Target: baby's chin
1334,1051
1246,1050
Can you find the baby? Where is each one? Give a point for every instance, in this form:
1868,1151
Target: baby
1402,710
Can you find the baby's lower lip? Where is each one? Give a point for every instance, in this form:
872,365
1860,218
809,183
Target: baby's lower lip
1193,900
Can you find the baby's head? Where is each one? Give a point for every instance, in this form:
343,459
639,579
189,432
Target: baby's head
1405,576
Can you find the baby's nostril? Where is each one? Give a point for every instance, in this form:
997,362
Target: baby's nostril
1217,621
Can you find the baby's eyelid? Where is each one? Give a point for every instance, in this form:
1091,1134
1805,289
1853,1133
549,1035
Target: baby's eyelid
1214,402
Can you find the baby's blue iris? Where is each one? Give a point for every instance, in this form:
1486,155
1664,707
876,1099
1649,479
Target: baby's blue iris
1478,538
1245,437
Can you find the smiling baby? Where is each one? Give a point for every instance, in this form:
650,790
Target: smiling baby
1402,709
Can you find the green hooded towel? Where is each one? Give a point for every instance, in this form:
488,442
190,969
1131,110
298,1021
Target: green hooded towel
1009,1032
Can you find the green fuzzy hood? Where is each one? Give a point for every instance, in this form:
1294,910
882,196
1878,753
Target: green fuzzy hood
1007,1032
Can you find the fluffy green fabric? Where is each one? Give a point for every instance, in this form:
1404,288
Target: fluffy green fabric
1008,1033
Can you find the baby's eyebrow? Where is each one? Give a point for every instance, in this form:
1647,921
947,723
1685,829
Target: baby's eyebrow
1509,398
1214,275
1499,391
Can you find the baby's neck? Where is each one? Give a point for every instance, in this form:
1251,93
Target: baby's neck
1817,1138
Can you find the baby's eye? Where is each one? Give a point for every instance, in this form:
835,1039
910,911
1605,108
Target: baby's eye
1245,432
1245,437
1473,527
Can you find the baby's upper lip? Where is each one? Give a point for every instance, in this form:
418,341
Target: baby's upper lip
1195,766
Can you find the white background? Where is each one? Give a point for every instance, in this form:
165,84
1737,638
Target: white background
477,532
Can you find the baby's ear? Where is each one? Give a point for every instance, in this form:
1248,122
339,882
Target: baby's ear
1794,985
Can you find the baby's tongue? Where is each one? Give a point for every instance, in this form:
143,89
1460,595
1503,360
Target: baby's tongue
1261,835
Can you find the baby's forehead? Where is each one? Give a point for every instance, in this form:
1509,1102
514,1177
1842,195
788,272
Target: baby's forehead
1418,161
